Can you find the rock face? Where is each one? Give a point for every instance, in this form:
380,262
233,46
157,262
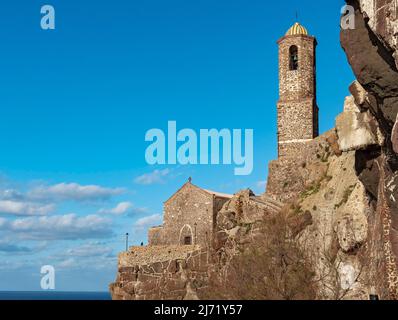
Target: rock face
330,211
340,210
324,185
356,130
372,52
238,221
372,49
383,20
394,137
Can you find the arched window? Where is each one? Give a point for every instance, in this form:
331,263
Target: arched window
186,235
293,58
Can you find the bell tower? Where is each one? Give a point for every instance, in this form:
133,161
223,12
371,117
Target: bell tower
297,106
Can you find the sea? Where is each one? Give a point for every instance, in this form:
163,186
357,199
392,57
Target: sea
53,295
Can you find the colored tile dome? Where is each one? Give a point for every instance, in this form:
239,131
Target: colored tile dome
297,29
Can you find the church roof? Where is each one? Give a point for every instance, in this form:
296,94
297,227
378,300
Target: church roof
206,191
297,29
219,194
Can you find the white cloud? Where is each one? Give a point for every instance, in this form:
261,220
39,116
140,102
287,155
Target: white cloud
147,222
14,246
73,191
7,246
67,264
120,209
89,263
65,227
137,211
11,194
124,208
3,222
90,250
12,264
24,208
155,177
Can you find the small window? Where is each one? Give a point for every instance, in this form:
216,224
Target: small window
187,241
294,61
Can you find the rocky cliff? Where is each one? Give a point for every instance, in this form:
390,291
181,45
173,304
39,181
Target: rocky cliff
372,51
329,211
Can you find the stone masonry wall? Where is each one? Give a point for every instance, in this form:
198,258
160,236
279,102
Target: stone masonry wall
298,84
189,206
297,109
307,167
161,273
155,236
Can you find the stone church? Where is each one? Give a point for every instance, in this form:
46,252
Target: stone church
190,213
189,217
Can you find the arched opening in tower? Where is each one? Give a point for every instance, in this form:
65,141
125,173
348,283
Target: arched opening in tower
294,61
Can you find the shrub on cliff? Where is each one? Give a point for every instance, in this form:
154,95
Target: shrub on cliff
272,267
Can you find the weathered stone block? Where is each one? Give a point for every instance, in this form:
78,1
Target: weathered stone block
226,220
144,287
146,269
155,236
172,266
358,92
130,288
356,130
221,238
145,277
174,296
157,267
350,105
175,284
333,141
127,270
127,277
351,223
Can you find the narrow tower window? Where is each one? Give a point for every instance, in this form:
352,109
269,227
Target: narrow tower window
294,61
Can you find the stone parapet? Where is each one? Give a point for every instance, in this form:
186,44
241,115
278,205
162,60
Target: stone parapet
151,254
161,273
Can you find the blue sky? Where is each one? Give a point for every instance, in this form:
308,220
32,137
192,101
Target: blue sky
76,102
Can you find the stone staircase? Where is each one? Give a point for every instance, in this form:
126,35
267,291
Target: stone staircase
271,204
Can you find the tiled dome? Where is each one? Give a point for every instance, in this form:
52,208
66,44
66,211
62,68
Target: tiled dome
297,29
